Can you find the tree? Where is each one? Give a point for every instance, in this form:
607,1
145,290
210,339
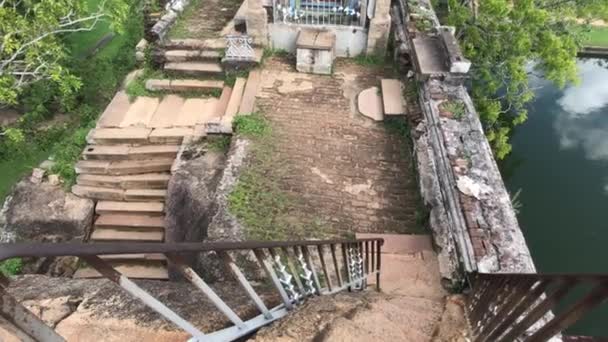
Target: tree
509,40
31,45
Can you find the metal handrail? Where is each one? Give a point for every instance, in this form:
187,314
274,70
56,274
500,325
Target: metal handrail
519,307
283,262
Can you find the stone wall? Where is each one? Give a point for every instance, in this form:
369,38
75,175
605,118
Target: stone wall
474,224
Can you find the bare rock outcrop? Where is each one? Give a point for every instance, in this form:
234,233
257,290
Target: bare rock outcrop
45,213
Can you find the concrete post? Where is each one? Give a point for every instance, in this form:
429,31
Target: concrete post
257,22
379,29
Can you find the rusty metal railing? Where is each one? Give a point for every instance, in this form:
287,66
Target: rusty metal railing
531,307
297,269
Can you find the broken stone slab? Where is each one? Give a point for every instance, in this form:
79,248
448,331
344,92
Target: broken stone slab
469,187
392,97
370,104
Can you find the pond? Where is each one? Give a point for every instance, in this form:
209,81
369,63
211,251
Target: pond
560,163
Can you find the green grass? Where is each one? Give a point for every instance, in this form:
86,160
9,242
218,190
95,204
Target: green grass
13,169
10,267
179,29
258,201
220,143
598,36
369,60
253,125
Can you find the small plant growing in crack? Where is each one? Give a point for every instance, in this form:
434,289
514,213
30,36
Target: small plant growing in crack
455,107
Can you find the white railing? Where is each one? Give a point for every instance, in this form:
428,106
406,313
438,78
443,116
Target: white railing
321,12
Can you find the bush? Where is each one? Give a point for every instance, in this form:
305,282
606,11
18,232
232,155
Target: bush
10,267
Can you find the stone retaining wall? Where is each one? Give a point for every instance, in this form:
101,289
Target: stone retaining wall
473,221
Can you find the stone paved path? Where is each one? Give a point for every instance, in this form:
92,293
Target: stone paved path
348,170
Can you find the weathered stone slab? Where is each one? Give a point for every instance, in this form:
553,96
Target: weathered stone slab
195,85
140,112
251,90
370,104
235,98
208,111
115,112
194,68
170,135
144,195
101,152
158,85
139,166
132,221
222,104
107,234
166,112
98,193
191,55
127,135
188,115
126,208
392,97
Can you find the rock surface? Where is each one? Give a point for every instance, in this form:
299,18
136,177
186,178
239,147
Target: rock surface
98,310
190,203
42,212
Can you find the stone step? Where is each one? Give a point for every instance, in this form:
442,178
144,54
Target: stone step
128,167
194,44
174,135
151,257
129,208
191,55
196,111
233,105
127,135
164,116
250,92
98,193
130,222
140,112
183,85
136,270
140,181
392,97
125,152
115,112
109,234
145,195
214,125
401,243
194,68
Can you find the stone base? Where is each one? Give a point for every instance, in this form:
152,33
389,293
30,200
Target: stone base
377,39
315,61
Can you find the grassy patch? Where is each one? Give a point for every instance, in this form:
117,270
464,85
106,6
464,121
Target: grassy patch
253,125
456,107
180,30
597,36
10,267
231,76
219,143
369,60
270,52
259,202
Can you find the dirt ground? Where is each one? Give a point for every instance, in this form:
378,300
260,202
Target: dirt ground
352,172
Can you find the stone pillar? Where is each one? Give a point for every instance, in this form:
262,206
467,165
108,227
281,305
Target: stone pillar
379,29
257,22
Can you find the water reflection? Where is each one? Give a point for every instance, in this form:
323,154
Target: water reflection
581,123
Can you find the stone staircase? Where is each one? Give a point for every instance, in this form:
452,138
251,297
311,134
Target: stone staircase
127,163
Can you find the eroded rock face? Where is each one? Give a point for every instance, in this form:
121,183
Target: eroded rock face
190,199
42,212
45,213
99,310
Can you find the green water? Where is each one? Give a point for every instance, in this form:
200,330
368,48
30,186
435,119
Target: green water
560,163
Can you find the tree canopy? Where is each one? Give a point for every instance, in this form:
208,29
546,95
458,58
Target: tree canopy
32,39
509,40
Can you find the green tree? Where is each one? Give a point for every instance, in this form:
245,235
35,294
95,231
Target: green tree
31,40
510,40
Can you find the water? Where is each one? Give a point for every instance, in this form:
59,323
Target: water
560,163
